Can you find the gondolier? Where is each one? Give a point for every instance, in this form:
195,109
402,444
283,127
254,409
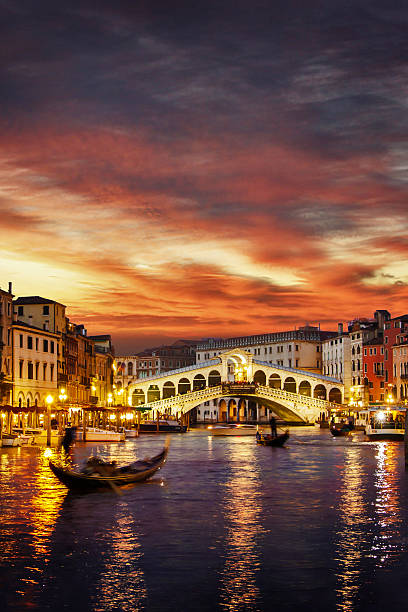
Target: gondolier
272,423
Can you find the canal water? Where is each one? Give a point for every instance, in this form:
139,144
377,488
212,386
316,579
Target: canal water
320,525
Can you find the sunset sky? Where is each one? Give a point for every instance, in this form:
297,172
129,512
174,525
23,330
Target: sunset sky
216,168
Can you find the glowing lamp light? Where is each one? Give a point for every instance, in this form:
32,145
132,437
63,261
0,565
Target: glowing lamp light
129,416
380,416
112,417
49,399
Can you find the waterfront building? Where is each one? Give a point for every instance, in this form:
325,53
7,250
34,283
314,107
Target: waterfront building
336,358
34,365
6,320
373,366
102,383
299,348
393,328
400,368
153,361
361,331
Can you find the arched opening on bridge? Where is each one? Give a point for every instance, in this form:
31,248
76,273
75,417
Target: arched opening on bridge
232,410
290,384
183,386
169,390
275,381
320,392
335,395
260,377
214,378
242,413
305,388
153,393
222,411
138,397
198,382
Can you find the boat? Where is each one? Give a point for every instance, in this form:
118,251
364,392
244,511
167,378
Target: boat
165,426
98,474
269,440
385,423
233,429
12,439
130,433
94,434
340,430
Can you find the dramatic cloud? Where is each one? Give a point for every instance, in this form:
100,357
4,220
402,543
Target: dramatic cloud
209,169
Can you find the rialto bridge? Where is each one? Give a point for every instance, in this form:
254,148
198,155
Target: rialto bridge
292,394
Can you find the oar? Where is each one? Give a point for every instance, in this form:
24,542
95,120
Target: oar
111,484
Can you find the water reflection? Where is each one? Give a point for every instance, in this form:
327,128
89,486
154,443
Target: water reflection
369,534
387,542
352,536
122,583
242,516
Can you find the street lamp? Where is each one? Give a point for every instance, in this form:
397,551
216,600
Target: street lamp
49,400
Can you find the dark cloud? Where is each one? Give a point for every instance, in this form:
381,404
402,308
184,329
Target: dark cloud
215,168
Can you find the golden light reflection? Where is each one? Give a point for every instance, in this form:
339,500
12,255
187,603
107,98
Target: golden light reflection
242,513
368,529
388,542
352,534
45,505
122,582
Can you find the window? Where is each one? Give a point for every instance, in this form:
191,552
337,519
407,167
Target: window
45,346
52,346
36,344
20,311
44,371
52,371
46,310
20,369
29,342
30,370
21,340
365,352
37,365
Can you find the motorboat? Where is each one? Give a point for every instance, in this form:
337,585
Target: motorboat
131,433
98,474
165,426
12,439
385,423
94,434
233,429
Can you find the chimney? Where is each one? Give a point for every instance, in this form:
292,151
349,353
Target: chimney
10,288
340,328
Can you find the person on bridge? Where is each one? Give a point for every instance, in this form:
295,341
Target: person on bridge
272,423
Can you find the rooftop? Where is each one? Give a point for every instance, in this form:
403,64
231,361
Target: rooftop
35,299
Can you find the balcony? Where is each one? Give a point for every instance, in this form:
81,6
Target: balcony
93,399
379,372
62,377
404,376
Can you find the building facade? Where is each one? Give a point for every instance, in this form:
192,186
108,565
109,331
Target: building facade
6,355
294,349
34,369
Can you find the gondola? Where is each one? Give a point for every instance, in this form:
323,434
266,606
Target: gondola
269,440
105,475
343,431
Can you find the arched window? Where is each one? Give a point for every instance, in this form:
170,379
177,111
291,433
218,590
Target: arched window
130,368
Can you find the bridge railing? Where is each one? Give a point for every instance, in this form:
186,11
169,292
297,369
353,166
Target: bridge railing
185,401
313,402
196,397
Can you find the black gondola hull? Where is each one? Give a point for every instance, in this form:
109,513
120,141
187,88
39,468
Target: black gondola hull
274,441
78,481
